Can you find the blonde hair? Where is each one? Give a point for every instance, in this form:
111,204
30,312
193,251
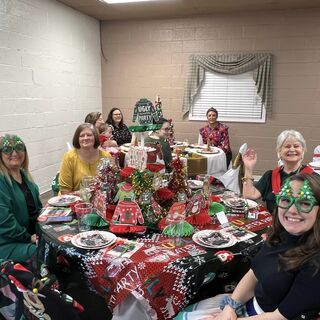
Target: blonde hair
12,138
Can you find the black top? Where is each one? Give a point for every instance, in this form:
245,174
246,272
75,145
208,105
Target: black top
292,292
264,185
33,213
122,134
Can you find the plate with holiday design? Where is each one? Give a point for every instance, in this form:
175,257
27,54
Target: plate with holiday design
93,239
214,239
64,200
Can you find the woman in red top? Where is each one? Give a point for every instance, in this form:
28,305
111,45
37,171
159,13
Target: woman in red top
217,133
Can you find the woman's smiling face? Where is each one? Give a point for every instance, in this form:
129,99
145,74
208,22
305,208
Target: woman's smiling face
86,138
294,222
291,151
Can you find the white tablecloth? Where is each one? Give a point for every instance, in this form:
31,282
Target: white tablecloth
216,162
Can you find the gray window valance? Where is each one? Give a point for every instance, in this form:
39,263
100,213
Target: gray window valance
259,63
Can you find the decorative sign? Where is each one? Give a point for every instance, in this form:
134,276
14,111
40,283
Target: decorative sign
137,158
145,112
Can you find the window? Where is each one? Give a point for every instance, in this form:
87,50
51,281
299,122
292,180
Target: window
239,85
234,96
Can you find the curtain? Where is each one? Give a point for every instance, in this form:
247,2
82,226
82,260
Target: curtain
229,64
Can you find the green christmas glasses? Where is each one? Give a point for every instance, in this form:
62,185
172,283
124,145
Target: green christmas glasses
304,202
9,145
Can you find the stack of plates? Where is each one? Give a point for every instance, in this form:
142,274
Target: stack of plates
93,239
236,206
214,239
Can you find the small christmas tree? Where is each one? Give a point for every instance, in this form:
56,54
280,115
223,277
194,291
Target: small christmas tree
178,182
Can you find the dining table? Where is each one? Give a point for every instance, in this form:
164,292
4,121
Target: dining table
201,161
197,159
150,275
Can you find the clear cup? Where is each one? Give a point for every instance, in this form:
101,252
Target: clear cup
85,188
81,210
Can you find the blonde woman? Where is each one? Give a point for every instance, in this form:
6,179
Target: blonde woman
19,201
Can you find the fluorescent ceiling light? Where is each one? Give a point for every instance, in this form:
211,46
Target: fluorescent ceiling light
123,1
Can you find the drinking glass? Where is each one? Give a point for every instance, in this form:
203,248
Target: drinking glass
81,210
85,188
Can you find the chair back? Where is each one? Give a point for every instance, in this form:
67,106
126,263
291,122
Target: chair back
316,154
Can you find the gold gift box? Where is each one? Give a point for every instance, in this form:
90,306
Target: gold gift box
197,164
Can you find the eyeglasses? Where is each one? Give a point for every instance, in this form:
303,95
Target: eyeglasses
302,205
117,114
9,148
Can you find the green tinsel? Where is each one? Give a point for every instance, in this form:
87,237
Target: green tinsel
142,181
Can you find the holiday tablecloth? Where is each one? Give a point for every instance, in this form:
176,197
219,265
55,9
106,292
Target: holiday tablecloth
164,273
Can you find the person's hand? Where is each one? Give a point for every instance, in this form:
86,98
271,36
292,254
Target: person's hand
34,238
227,314
249,159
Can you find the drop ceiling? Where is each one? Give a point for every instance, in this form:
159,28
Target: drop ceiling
180,8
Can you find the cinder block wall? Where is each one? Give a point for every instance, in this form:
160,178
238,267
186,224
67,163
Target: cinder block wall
146,58
50,78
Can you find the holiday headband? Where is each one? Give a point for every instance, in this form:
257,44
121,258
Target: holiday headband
12,143
305,200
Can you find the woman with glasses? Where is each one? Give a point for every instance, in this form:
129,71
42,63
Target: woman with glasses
216,134
159,137
284,278
121,133
19,201
291,147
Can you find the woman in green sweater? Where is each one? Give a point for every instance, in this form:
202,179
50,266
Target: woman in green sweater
19,201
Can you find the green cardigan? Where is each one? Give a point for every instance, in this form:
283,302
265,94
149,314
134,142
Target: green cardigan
14,219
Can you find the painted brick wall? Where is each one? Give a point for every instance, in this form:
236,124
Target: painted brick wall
50,78
146,58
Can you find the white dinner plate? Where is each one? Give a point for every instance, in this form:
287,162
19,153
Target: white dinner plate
212,151
315,164
199,146
214,239
195,184
251,204
93,239
63,201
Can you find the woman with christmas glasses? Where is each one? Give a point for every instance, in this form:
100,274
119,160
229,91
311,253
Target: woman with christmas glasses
19,201
291,147
82,160
285,275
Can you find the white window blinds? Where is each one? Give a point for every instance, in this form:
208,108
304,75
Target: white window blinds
234,96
